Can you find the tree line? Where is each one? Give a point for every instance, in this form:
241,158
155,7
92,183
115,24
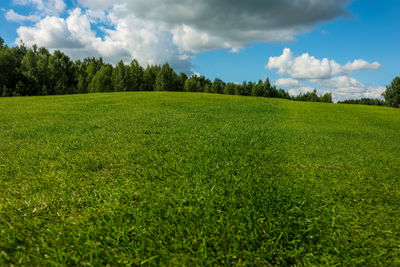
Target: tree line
364,101
391,96
36,71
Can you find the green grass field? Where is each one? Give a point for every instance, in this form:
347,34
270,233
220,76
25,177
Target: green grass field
197,179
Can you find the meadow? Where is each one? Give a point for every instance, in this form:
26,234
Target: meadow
162,178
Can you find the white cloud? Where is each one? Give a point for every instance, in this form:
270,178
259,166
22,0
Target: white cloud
158,31
46,7
374,92
11,15
209,24
345,87
229,24
155,31
309,67
51,32
150,44
301,90
360,64
304,66
326,74
288,83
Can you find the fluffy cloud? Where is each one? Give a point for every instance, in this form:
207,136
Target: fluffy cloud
11,15
309,67
308,72
150,45
59,33
301,90
360,64
374,92
345,87
156,31
208,24
288,83
47,7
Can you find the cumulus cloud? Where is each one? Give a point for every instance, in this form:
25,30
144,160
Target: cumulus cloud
74,35
345,87
360,64
207,24
59,33
47,7
11,15
301,90
374,92
159,30
326,74
309,67
288,83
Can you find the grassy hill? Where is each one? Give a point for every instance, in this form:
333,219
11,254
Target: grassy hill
181,178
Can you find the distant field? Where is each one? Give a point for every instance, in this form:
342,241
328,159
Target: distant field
197,179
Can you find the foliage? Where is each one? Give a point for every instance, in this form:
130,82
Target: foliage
364,101
229,89
181,81
61,70
8,70
217,86
101,81
167,79
187,179
36,71
134,76
192,85
392,93
120,77
257,89
313,97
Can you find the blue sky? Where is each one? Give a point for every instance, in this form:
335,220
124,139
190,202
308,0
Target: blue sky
230,39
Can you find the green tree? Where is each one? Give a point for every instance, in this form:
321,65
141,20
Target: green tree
149,78
268,90
217,86
29,70
134,74
283,94
309,96
327,98
364,101
192,85
203,83
229,89
8,70
181,81
4,91
43,71
258,89
120,77
93,66
61,72
392,93
102,81
81,76
242,89
166,79
207,88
